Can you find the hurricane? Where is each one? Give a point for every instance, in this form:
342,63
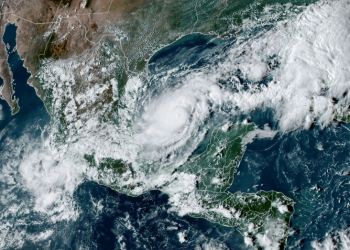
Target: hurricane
182,127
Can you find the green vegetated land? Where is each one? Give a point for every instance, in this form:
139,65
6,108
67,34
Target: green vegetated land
216,168
250,213
128,44
146,30
160,23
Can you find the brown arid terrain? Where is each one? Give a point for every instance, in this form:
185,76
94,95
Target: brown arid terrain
98,35
55,29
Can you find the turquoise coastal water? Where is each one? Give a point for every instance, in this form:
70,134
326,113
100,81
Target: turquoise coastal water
308,166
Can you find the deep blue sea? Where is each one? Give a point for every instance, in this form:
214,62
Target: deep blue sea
309,166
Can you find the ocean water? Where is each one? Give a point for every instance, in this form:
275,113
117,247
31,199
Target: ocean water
309,166
107,219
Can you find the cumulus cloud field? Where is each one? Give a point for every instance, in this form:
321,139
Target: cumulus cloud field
310,84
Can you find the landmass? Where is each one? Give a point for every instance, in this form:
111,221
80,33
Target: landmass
81,54
61,29
199,189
